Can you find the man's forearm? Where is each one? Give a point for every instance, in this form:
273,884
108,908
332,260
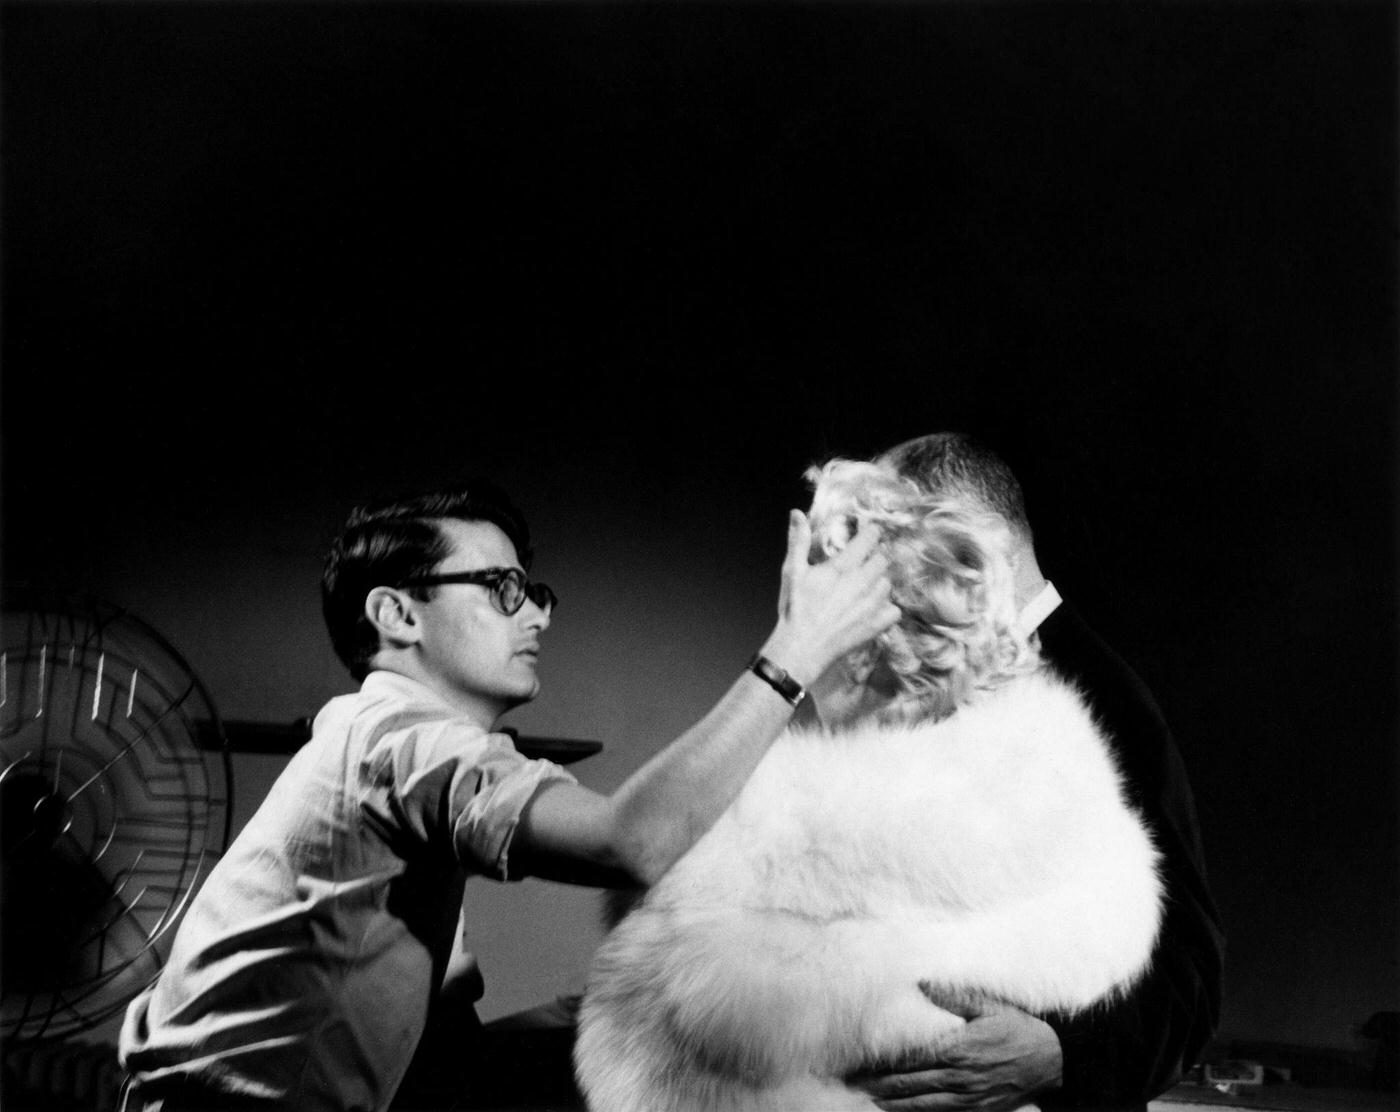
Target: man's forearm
669,803
632,837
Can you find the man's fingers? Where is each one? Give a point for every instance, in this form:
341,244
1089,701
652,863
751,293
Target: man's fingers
860,546
934,1083
799,540
847,598
959,1003
863,565
867,587
890,1086
886,616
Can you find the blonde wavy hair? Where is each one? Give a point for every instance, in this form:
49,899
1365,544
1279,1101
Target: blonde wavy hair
950,566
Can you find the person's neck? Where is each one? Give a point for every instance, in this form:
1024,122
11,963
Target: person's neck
483,711
1029,581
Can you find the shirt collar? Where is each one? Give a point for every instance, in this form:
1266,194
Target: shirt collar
382,683
1038,609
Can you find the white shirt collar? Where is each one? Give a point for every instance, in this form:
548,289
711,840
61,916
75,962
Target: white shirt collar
382,683
1038,609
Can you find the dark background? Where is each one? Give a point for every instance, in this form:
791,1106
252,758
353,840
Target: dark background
645,263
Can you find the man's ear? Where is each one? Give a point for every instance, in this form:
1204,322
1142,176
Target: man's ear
392,613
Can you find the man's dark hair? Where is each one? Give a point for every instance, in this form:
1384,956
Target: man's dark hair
959,464
386,542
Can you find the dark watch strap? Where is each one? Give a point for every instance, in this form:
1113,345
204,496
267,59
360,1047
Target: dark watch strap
777,679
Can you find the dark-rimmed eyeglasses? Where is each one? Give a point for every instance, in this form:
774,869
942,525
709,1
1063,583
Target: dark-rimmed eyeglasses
509,587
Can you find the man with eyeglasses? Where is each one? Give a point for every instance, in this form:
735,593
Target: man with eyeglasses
302,973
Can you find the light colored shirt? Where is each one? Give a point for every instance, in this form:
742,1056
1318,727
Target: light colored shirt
303,970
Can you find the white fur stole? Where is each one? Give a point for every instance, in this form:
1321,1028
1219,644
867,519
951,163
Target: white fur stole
990,855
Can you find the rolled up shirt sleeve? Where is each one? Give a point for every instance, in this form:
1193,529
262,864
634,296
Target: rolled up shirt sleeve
449,785
486,823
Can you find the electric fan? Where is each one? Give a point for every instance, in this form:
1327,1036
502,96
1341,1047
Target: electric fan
115,786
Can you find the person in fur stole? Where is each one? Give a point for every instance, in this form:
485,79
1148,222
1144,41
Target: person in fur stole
951,826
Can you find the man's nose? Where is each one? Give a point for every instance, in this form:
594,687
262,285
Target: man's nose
536,616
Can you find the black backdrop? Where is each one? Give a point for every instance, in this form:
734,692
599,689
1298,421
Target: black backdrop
257,256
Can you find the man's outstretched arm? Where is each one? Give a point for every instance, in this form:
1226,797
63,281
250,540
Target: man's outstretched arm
635,834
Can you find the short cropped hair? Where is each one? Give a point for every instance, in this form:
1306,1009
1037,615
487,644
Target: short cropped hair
388,541
957,465
949,563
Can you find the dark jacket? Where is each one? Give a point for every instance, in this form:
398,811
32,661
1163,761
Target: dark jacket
1121,1055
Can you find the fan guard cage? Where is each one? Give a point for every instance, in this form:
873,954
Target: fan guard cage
115,801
